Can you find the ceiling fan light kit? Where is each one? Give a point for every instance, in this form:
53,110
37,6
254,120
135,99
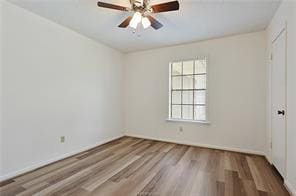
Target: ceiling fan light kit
142,9
136,19
146,22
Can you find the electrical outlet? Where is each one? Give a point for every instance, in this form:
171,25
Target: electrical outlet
181,129
62,139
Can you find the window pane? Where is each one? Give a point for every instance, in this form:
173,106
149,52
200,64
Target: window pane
188,90
177,82
200,66
199,113
199,97
188,82
176,97
187,112
200,82
177,68
187,67
176,111
187,97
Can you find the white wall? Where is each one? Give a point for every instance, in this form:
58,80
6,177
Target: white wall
1,136
286,15
237,93
55,83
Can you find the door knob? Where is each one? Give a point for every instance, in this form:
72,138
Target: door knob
281,112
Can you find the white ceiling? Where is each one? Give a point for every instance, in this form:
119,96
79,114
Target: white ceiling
196,20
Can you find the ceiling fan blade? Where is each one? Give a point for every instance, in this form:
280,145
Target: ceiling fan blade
112,6
165,7
125,23
154,23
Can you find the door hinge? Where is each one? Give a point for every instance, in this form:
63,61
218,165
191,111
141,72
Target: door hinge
271,57
271,145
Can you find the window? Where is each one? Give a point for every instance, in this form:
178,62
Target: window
188,90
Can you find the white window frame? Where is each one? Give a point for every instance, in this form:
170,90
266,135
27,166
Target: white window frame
169,119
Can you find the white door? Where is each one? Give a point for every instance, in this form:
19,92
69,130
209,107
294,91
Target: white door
278,102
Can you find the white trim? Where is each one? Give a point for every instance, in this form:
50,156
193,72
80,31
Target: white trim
290,188
188,121
248,151
279,34
268,158
54,159
43,163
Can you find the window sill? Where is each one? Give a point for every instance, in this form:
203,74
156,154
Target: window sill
188,121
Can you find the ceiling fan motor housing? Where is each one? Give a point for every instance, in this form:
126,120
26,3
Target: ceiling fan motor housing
141,6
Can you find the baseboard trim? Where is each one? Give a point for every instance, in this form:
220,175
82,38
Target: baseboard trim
61,157
55,159
290,188
268,158
246,151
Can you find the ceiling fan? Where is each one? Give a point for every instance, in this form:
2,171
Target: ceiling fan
142,10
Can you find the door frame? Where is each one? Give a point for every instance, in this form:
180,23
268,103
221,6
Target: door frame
283,30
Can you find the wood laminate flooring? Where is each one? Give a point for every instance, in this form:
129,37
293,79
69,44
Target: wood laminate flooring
132,166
